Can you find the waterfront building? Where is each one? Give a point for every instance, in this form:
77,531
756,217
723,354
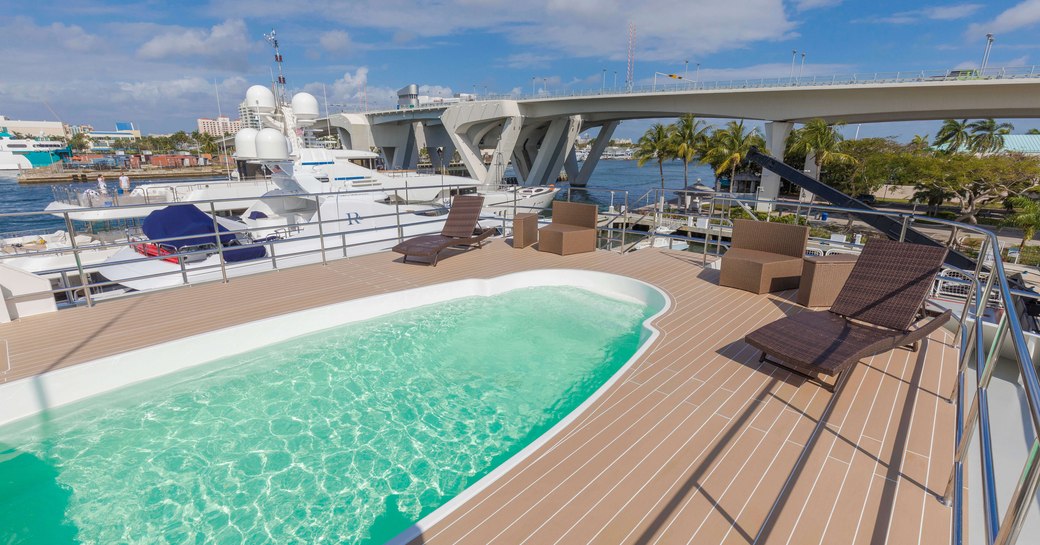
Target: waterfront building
220,126
33,129
247,117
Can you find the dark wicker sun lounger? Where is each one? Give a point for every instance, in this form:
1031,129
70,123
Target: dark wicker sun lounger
874,313
460,229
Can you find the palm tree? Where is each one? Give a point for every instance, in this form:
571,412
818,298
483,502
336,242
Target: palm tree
988,136
1026,216
919,143
656,144
953,136
1033,131
727,149
823,141
690,138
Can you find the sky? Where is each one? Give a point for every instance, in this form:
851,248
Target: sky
161,64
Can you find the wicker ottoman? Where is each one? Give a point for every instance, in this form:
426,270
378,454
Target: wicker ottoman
525,230
822,279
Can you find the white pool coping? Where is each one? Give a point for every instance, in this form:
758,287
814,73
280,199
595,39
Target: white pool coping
35,395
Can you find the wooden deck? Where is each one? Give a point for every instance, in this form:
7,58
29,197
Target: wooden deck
698,443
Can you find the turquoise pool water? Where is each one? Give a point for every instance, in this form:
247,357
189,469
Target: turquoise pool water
348,435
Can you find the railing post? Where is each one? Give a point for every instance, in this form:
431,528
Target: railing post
71,229
216,237
624,226
321,231
1021,499
397,207
184,271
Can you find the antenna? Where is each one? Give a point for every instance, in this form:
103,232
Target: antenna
273,40
223,135
631,54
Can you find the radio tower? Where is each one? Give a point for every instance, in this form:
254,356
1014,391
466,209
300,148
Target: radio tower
280,86
631,55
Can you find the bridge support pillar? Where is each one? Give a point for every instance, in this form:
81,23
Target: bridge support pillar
776,140
556,144
354,131
434,136
398,143
580,178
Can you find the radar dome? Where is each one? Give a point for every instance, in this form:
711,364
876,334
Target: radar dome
305,106
271,145
260,98
245,143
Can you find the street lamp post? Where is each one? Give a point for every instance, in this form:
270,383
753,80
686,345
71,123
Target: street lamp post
545,86
985,56
532,85
603,84
697,78
794,55
802,67
615,80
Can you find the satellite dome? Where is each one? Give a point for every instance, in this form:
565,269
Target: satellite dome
260,98
271,145
245,143
305,106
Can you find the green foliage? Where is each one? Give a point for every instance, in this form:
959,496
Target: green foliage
727,148
1026,216
656,144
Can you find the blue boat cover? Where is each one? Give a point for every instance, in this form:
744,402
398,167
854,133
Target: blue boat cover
184,220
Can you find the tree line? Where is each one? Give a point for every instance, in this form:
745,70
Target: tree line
178,141
964,164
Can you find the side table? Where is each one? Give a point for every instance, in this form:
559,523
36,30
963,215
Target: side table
822,279
525,230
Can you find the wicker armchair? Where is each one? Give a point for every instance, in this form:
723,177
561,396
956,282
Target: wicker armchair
764,256
572,231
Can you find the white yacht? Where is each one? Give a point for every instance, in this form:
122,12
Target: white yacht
25,153
92,205
340,170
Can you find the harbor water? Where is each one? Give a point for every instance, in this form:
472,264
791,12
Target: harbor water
609,174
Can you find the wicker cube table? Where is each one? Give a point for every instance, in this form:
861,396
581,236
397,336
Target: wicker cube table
525,230
822,279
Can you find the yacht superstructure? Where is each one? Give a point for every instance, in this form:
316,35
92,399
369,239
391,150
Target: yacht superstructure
26,153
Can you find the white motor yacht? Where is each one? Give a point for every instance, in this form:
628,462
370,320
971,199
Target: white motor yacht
337,170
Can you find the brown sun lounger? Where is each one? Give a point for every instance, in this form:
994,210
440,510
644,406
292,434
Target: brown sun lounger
460,229
875,312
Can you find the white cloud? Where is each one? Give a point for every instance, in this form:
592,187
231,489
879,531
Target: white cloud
1023,15
335,41
934,13
577,28
225,45
805,5
436,91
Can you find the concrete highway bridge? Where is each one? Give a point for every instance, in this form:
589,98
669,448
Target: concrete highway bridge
538,133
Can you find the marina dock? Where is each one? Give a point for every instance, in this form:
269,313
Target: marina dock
111,176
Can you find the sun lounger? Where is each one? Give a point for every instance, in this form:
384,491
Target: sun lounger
460,229
875,312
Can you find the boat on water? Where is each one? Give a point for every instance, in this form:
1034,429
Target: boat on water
343,170
27,153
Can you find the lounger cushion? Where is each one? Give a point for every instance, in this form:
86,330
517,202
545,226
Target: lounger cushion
760,272
563,239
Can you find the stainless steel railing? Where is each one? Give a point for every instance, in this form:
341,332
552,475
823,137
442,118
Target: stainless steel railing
330,244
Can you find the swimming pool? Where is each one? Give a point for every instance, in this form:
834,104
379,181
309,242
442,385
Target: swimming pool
349,435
